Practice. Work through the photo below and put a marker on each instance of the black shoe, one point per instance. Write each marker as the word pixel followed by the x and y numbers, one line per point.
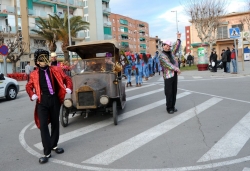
pixel 58 150
pixel 175 110
pixel 44 159
pixel 170 111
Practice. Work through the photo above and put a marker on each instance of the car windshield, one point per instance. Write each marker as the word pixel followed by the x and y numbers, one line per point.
pixel 103 64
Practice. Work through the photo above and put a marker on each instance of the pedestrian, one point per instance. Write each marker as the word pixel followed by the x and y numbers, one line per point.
pixel 138 70
pixel 145 66
pixel 228 52
pixel 213 60
pixel 48 86
pixel 150 65
pixel 54 61
pixel 157 63
pixel 170 70
pixel 128 69
pixel 233 59
pixel 189 59
pixel 28 71
pixel 224 59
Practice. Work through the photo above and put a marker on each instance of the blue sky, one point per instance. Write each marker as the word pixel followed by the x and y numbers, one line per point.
pixel 157 13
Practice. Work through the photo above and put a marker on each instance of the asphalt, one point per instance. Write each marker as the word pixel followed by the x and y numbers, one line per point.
pixel 243 70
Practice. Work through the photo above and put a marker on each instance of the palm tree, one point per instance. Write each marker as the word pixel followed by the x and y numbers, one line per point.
pixel 61 27
pixel 47 31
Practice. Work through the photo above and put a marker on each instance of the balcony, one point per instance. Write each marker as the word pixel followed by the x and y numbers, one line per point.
pixel 39 13
pixel 107 11
pixel 107 1
pixel 7 9
pixel 107 37
pixel 107 23
pixel 62 2
pixel 80 35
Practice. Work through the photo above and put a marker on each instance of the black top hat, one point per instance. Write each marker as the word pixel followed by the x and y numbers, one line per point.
pixel 38 52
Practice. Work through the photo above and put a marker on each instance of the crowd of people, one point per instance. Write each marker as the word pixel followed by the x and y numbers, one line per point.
pixel 142 66
pixel 227 57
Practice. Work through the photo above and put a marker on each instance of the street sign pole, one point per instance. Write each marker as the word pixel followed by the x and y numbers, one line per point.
pixel 234 34
pixel 236 54
pixel 5 65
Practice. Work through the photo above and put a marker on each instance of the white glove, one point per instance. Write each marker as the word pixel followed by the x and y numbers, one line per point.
pixel 68 91
pixel 34 97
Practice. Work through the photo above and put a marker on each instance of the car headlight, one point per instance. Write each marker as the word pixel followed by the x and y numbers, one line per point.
pixel 104 99
pixel 68 103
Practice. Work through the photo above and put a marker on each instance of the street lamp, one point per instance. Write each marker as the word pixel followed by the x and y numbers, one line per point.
pixel 176 21
pixel 70 55
pixel 177 30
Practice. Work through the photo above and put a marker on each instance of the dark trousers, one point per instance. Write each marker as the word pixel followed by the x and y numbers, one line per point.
pixel 28 77
pixel 170 88
pixel 49 108
pixel 225 66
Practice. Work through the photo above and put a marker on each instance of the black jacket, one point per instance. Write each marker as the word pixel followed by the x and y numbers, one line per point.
pixel 228 55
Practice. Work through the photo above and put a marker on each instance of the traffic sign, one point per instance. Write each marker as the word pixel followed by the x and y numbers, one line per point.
pixel 234 33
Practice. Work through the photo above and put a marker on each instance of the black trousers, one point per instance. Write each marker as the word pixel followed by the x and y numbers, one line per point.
pixel 170 88
pixel 49 108
pixel 225 66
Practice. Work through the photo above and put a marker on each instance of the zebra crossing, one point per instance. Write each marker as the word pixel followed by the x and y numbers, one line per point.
pixel 228 146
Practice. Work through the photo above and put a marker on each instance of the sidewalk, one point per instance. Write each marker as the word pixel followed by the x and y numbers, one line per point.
pixel 220 72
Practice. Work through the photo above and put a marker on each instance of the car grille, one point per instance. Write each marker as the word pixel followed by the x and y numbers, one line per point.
pixel 86 98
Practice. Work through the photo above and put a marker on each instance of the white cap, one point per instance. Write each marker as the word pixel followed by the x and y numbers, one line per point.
pixel 53 54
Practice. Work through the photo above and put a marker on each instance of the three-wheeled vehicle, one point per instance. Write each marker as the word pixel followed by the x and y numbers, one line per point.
pixel 97 82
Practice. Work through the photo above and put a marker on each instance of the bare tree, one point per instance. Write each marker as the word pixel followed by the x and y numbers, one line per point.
pixel 205 15
pixel 16 48
pixel 246 20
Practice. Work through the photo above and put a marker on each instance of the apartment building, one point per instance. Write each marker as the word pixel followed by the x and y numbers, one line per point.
pixel 23 14
pixel 155 44
pixel 130 33
pixel 223 40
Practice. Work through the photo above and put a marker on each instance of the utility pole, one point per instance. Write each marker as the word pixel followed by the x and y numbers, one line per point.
pixel 70 53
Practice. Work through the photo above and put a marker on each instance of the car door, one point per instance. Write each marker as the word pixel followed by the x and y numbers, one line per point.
pixel 2 87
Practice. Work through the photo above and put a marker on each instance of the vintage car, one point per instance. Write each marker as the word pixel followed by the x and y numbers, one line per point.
pixel 97 82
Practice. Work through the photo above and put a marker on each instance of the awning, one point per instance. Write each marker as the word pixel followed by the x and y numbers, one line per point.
pixel 199 44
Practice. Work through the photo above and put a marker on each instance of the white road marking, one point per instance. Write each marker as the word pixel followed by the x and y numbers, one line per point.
pixel 79 132
pixel 230 144
pixel 246 169
pixel 136 88
pixel 145 94
pixel 84 167
pixel 180 77
pixel 214 95
pixel 111 155
pixel 197 77
pixel 160 79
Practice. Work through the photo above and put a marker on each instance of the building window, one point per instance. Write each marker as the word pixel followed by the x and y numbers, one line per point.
pixel 124 22
pixel 40 43
pixel 188 37
pixel 86 17
pixel 238 25
pixel 85 3
pixel 187 31
pixel 113 20
pixel 222 32
pixel 113 28
pixel 188 42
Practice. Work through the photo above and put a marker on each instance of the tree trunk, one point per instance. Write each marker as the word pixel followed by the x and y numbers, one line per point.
pixel 13 67
pixel 52 47
pixel 66 56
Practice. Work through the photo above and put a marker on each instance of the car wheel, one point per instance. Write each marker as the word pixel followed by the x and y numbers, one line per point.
pixel 11 93
pixel 64 116
pixel 115 117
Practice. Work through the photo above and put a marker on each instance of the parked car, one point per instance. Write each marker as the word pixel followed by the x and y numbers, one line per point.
pixel 9 87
